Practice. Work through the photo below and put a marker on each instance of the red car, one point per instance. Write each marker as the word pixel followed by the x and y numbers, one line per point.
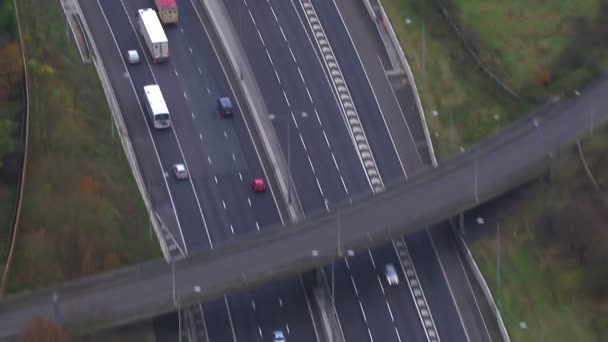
pixel 259 185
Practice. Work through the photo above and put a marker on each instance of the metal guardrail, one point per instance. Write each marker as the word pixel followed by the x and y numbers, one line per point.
pixel 21 185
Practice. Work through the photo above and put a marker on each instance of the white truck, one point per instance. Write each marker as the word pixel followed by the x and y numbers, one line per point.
pixel 154 35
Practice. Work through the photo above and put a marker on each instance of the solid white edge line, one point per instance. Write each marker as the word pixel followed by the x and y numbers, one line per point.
pixel 148 127
pixel 173 130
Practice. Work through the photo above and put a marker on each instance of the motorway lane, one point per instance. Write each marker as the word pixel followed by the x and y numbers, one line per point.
pixel 276 41
pixel 196 155
pixel 319 152
pixel 446 315
pixel 217 321
pixel 294 85
pixel 301 72
pixel 379 313
pixel 305 171
pixel 328 11
pixel 369 111
pixel 141 75
pixel 399 298
pixel 231 220
pixel 189 219
pixel 325 101
pixel 398 104
pixel 241 158
pixel 403 313
pixel 348 306
pixel 444 243
pixel 291 288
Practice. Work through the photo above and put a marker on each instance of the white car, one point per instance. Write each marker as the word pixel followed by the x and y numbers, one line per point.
pixel 132 56
pixel 180 171
pixel 278 336
pixel 392 278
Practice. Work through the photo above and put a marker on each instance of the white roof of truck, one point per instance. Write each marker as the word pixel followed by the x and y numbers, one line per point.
pixel 153 26
pixel 155 98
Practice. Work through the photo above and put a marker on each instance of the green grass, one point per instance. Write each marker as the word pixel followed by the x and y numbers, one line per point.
pixel 534 47
pixel 82 212
pixel 523 37
pixel 553 253
pixel 530 290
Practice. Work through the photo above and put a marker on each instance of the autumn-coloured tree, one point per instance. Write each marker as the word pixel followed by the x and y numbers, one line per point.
pixel 7 144
pixel 11 69
pixel 42 329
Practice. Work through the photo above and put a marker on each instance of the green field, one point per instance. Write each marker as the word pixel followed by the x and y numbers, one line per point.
pixel 82 212
pixel 536 48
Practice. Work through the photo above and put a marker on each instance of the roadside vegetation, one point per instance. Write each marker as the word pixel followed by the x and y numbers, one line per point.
pixel 536 49
pixel 82 212
pixel 553 255
pixel 12 108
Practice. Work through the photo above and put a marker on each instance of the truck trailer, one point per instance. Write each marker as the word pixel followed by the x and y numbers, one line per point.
pixel 167 11
pixel 154 35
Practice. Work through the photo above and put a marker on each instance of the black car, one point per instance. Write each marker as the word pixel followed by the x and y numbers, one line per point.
pixel 224 106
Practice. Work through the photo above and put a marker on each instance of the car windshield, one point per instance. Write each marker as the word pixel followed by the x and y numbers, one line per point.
pixel 226 104
pixel 161 117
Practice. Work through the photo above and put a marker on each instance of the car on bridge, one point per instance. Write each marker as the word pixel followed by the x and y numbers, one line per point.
pixel 278 336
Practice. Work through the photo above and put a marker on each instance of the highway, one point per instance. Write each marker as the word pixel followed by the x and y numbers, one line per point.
pixel 219 154
pixel 274 33
pixel 381 313
pixel 463 182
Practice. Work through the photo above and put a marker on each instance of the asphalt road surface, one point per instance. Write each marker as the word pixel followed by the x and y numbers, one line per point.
pixel 220 182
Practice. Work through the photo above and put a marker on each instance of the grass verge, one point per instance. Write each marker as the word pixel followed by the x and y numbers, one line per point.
pixel 553 255
pixel 537 48
pixel 82 212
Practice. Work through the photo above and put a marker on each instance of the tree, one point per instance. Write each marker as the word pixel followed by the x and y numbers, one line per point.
pixel 8 21
pixel 7 144
pixel 42 329
pixel 11 69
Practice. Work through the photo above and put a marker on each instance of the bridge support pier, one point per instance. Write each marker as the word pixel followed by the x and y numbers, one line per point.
pixel 325 303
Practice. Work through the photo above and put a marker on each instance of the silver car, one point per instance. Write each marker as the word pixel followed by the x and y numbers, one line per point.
pixel 132 56
pixel 278 336
pixel 180 171
pixel 392 278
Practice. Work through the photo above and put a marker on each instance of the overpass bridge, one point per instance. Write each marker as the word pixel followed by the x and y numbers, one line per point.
pixel 518 154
